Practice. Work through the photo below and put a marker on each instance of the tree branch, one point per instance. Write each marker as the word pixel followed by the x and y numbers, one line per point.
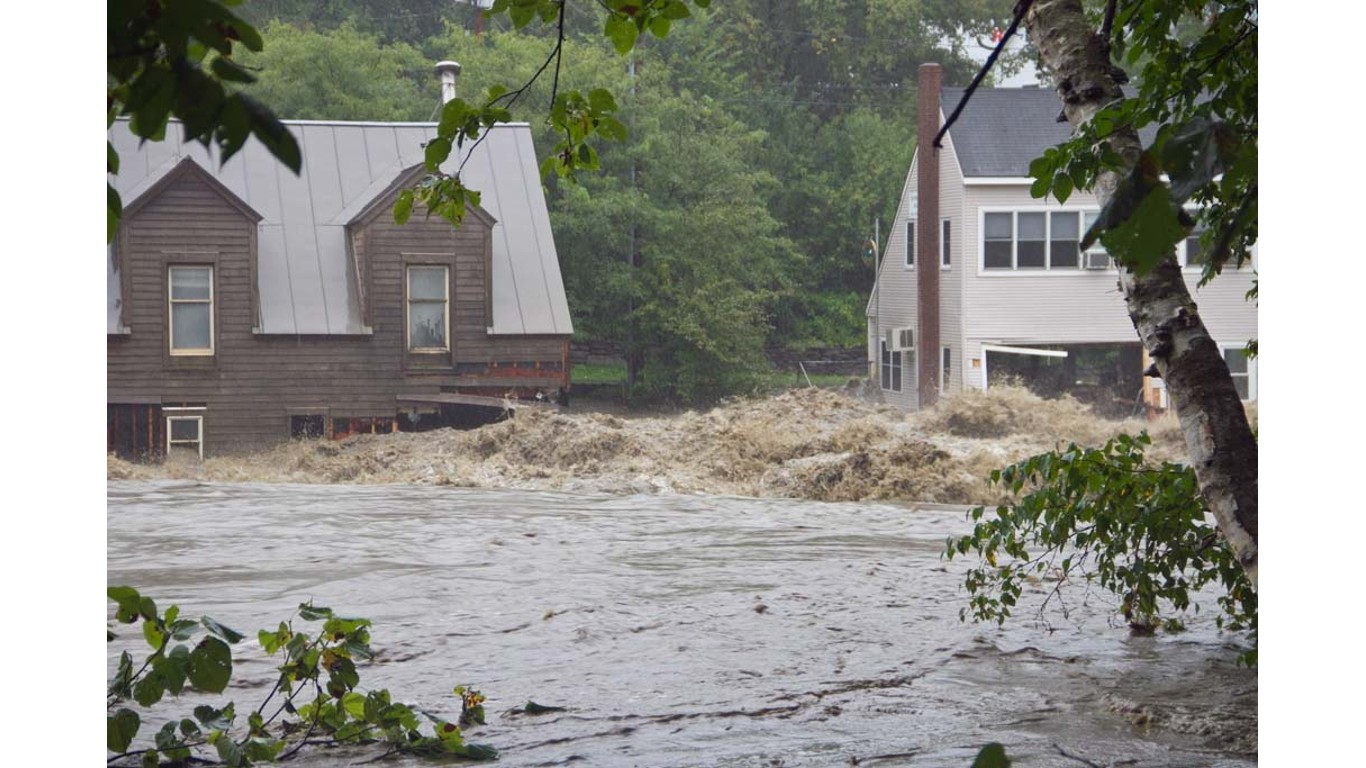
pixel 1020 9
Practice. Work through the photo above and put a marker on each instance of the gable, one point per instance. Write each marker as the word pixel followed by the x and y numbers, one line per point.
pixel 186 169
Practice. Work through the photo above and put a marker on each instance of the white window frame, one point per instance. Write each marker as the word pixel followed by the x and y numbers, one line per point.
pixel 1251 369
pixel 194 414
pixel 1048 268
pixel 945 371
pixel 408 302
pixel 172 301
pixel 912 230
pixel 945 243
pixel 890 363
pixel 1002 348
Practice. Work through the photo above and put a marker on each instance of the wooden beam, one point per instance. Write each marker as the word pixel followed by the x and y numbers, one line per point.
pixel 456 398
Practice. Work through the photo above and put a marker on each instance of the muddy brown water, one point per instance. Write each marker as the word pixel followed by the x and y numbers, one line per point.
pixel 680 630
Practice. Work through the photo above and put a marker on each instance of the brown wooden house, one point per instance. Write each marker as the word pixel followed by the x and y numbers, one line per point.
pixel 248 305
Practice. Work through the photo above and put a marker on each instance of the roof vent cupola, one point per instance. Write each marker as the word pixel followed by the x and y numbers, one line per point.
pixel 449 72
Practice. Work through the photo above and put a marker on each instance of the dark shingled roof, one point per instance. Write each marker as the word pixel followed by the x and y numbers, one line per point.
pixel 1002 129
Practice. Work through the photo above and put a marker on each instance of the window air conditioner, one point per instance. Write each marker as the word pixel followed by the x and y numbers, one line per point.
pixel 903 339
pixel 1097 260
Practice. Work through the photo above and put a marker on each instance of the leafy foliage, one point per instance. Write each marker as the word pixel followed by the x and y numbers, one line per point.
pixel 176 59
pixel 321 663
pixel 1198 89
pixel 312 74
pixel 1107 517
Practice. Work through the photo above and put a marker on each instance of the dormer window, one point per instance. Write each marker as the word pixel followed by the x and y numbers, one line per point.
pixel 191 310
pixel 428 309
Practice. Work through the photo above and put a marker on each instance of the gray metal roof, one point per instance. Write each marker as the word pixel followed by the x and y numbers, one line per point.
pixel 1002 130
pixel 303 266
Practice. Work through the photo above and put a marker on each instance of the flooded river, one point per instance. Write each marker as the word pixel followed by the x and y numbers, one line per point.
pixel 682 630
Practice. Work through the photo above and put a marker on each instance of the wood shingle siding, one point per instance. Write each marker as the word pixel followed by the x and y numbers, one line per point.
pixel 254 382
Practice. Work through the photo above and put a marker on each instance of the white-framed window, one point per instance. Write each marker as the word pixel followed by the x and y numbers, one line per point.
pixel 1033 240
pixel 184 433
pixel 945 244
pixel 1190 254
pixel 945 368
pixel 910 244
pixel 1095 257
pixel 428 308
pixel 891 367
pixel 190 289
pixel 1242 368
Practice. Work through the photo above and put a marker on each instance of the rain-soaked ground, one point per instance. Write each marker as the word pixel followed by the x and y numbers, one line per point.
pixel 681 630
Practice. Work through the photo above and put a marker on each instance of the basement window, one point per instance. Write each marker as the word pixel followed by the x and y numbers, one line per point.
pixel 184 433
pixel 307 427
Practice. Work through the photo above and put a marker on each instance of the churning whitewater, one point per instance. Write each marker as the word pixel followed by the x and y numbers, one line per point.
pixel 805 444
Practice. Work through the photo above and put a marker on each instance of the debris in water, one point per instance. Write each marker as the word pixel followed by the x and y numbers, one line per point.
pixel 806 443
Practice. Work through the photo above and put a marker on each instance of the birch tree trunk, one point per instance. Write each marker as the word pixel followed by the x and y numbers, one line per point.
pixel 1222 448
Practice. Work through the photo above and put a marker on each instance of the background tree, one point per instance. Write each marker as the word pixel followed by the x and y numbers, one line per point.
pixel 313 74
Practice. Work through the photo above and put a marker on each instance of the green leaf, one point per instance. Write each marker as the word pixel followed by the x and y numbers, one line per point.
pixel 213 719
pixel 622 32
pixel 403 208
pixel 152 633
pixel 229 71
pixel 675 11
pixel 172 669
pixel 310 612
pixel 435 154
pixel 113 212
pixel 272 133
pixel 222 631
pixel 521 15
pixel 1062 187
pixel 210 665
pixel 121 727
pixel 478 752
pixel 1149 234
pixel 230 753
pixel 354 704
pixel 262 749
pixel 148 690
pixel 601 100
pixel 1192 157
pixel 127 598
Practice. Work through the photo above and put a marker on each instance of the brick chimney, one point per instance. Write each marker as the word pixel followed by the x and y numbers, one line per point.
pixel 449 72
pixel 927 236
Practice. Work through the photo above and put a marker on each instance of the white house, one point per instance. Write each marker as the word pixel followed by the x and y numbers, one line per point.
pixel 980 281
